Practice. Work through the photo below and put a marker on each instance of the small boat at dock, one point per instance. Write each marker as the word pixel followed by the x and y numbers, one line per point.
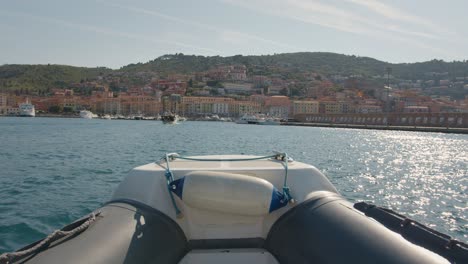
pixel 87 114
pixel 169 118
pixel 270 121
pixel 252 119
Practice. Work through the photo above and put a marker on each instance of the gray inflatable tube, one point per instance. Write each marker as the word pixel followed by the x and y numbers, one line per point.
pixel 123 233
pixel 325 229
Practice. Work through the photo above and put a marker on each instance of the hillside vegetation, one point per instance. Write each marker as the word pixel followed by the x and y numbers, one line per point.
pixel 44 77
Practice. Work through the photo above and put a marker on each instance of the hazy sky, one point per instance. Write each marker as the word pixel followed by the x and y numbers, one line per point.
pixel 115 33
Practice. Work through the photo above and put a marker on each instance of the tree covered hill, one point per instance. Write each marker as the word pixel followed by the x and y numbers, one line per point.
pixel 43 77
pixel 321 62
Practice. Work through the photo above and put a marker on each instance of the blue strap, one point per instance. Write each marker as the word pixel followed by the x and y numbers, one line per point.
pixel 169 179
pixel 286 193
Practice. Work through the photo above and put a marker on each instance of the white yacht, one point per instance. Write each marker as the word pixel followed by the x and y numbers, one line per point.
pixel 250 119
pixel 270 122
pixel 27 109
pixel 87 114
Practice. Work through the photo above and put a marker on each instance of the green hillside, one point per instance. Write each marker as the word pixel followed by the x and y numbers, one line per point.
pixel 287 65
pixel 44 77
pixel 326 63
pixel 321 62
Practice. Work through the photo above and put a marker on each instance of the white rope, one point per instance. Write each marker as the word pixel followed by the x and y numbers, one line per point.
pixel 7 258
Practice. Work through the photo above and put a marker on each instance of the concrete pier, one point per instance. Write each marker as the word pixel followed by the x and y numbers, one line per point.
pixel 379 127
pixel 425 122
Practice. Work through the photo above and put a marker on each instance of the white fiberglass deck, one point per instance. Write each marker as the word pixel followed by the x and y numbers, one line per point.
pixel 147 184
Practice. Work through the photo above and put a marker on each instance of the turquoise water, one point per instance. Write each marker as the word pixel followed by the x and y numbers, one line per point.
pixel 53 171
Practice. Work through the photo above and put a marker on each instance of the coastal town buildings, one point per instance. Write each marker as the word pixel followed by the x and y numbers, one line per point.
pixel 277 106
pixel 193 106
pixel 305 107
pixel 240 108
pixel 3 103
pixel 274 91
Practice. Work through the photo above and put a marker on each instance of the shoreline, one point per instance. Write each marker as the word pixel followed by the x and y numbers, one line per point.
pixel 58 116
pixel 448 130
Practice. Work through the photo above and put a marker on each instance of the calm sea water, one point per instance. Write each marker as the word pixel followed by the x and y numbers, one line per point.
pixel 53 171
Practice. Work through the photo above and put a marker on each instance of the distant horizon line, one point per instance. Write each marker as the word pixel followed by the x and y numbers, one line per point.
pixel 222 56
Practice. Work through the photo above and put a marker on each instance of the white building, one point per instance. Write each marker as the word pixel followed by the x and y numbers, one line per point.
pixel 305 107
pixel 234 88
pixel 221 108
pixel 278 111
pixel 367 109
pixel 416 109
pixel 12 111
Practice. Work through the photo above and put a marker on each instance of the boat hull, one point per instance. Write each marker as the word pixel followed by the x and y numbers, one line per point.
pixel 324 229
pixel 27 115
pixel 27 110
pixel 87 114
pixel 151 220
pixel 171 119
pixel 122 233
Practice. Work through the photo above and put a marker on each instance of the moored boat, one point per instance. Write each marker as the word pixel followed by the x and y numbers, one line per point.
pixel 138 117
pixel 169 118
pixel 87 114
pixel 237 208
pixel 27 109
pixel 250 119
pixel 270 122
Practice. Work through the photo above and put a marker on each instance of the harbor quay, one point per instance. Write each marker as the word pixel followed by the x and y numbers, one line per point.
pixel 428 122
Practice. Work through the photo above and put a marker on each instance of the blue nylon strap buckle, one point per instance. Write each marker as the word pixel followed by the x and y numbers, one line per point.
pixel 177 187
